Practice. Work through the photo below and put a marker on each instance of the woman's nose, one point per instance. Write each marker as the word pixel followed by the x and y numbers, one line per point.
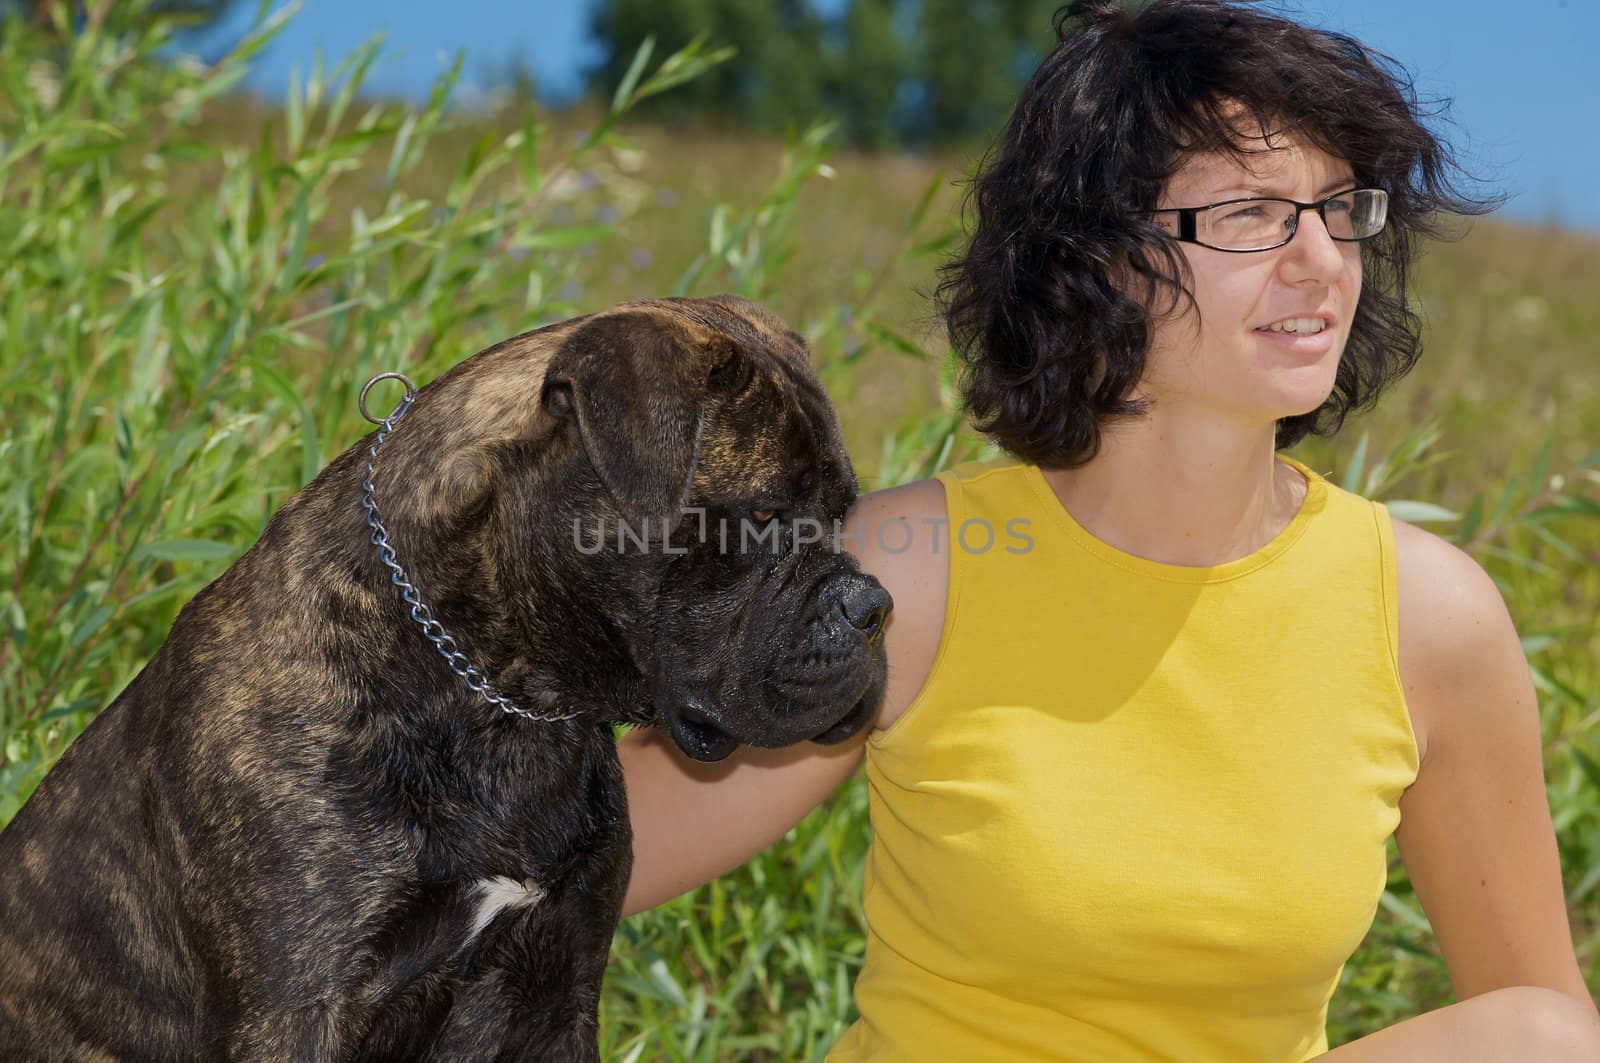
pixel 1312 250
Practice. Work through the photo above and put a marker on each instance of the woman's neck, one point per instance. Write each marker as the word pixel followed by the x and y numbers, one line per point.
pixel 1195 497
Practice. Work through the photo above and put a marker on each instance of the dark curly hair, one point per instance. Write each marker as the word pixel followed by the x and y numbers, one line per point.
pixel 1048 345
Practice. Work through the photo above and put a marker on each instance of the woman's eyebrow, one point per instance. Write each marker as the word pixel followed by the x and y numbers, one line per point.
pixel 1257 189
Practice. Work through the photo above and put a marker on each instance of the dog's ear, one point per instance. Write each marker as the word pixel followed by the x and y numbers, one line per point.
pixel 636 383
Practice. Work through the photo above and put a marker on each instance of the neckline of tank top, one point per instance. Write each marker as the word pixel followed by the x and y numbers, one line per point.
pixel 1314 501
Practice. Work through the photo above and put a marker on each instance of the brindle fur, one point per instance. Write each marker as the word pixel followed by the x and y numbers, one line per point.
pixel 273 844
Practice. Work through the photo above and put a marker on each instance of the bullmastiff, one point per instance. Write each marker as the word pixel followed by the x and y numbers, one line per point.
pixel 364 802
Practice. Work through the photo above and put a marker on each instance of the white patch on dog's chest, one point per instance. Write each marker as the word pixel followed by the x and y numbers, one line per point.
pixel 499 893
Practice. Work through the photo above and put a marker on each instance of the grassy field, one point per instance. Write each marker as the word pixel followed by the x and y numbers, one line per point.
pixel 195 286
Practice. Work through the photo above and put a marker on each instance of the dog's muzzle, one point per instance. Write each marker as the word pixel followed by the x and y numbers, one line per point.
pixel 825 705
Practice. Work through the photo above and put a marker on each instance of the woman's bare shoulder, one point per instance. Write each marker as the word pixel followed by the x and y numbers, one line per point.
pixel 1444 599
pixel 896 535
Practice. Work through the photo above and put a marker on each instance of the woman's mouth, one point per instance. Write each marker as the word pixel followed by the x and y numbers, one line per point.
pixel 1306 337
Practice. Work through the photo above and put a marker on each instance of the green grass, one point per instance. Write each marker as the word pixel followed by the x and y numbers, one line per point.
pixel 195 286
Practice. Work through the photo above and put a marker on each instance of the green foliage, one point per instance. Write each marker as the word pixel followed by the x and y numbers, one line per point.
pixel 192 293
pixel 56 15
pixel 757 965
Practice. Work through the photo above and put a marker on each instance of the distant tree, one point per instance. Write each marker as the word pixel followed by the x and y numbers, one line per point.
pixel 972 58
pixel 891 71
pixel 786 61
pixel 867 65
pixel 774 76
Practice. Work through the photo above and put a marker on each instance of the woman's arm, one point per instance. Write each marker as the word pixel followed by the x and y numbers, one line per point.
pixel 1475 830
pixel 1511 1025
pixel 693 822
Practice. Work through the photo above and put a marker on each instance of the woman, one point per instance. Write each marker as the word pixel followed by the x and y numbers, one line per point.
pixel 1139 758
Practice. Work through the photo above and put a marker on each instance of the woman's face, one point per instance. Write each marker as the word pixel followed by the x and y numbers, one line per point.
pixel 1225 363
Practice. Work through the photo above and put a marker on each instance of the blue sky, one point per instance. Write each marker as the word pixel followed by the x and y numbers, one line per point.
pixel 1523 78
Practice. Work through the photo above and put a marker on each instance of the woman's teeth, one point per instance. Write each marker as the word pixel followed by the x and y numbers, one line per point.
pixel 1303 325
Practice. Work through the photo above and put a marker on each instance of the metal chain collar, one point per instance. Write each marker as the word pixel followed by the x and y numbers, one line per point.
pixel 431 628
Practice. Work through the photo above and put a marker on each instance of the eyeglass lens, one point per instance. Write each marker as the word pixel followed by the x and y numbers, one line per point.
pixel 1353 215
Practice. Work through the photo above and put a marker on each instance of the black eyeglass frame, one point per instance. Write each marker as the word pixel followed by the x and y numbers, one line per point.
pixel 1186 219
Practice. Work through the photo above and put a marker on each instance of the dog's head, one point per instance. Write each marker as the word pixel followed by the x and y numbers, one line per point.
pixel 640 506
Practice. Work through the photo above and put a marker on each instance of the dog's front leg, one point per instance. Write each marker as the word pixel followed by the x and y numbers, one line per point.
pixel 532 992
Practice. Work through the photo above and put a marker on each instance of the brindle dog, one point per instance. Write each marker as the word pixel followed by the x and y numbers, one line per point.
pixel 298 835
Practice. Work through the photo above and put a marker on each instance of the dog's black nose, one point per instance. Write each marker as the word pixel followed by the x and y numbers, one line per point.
pixel 866 606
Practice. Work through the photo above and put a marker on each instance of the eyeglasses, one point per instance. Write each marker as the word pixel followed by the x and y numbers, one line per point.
pixel 1260 224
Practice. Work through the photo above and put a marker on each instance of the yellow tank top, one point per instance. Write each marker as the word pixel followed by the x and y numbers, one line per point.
pixel 1138 811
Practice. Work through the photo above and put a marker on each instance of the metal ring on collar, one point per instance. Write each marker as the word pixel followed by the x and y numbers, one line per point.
pixel 411 393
